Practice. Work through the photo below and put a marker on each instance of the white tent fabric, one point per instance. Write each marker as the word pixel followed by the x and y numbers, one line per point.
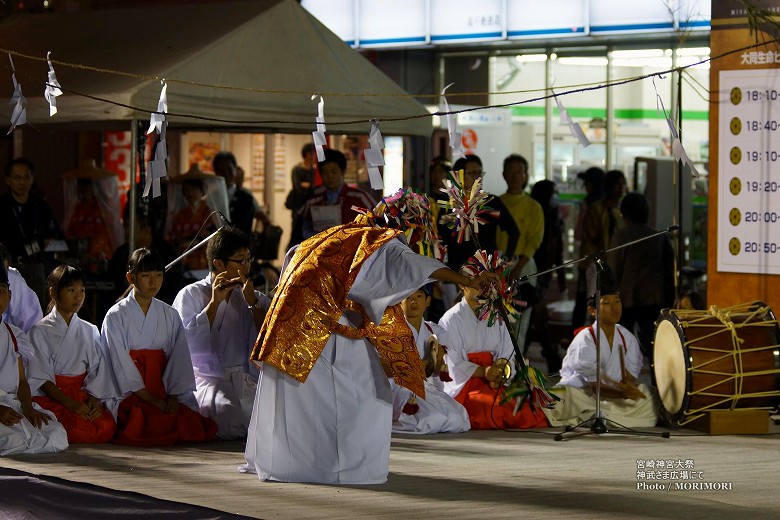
pixel 259 44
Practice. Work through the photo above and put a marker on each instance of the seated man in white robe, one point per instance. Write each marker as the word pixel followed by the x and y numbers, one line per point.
pixel 323 408
pixel 623 401
pixel 438 412
pixel 24 426
pixel 24 309
pixel 221 315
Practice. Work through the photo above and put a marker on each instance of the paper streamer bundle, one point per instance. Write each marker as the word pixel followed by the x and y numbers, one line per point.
pixel 410 212
pixel 677 148
pixel 496 295
pixel 530 384
pixel 467 209
pixel 576 129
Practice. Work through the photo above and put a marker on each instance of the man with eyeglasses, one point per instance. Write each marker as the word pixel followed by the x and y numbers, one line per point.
pixel 28 225
pixel 222 315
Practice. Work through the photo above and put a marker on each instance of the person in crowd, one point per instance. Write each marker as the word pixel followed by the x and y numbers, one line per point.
pixel 690 300
pixel 24 309
pixel 305 178
pixel 528 215
pixel 243 206
pixel 644 271
pixel 144 342
pixel 222 315
pixel 438 412
pixel 24 426
pixel 441 299
pixel 601 222
pixel 68 375
pixel 188 221
pixel 593 181
pixel 87 224
pixel 480 358
pixel 548 255
pixel 623 400
pixel 28 225
pixel 323 409
pixel 331 204
pixel 458 254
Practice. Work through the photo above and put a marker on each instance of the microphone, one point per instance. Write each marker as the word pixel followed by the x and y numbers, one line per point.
pixel 676 227
pixel 224 219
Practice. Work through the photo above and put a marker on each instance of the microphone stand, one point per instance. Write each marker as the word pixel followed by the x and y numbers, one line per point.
pixel 597 423
pixel 225 222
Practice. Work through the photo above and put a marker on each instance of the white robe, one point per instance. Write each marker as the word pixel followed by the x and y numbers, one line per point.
pixel 126 328
pixel 24 309
pixel 23 437
pixel 468 334
pixel 578 370
pixel 69 350
pixel 225 379
pixel 438 412
pixel 335 427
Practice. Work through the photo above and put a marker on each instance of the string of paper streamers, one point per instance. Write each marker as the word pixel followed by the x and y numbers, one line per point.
pixel 677 148
pixel 576 129
pixel 467 210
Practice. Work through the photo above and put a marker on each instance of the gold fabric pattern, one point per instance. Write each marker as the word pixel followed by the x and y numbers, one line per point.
pixel 311 297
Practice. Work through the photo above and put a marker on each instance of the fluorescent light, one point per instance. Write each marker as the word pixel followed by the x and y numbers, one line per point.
pixel 661 63
pixel 694 51
pixel 638 53
pixel 592 61
pixel 526 58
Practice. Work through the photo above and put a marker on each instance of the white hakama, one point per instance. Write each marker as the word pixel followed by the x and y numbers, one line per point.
pixel 23 437
pixel 335 427
pixel 438 412
pixel 226 380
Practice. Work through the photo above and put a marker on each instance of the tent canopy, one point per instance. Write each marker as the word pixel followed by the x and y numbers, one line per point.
pixel 258 44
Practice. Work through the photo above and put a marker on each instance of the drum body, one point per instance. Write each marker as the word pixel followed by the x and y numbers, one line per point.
pixel 717 361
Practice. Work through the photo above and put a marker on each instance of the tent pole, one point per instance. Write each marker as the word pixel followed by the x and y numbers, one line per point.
pixel 131 199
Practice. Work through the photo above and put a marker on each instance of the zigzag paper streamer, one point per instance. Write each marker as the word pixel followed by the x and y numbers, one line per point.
pixel 157 168
pixel 18 101
pixel 374 157
pixel 319 134
pixel 452 127
pixel 158 118
pixel 678 151
pixel 53 88
pixel 576 129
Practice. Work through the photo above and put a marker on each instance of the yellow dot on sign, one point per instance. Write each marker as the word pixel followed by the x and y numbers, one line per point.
pixel 736 125
pixel 735 186
pixel 735 155
pixel 736 95
pixel 734 246
pixel 735 216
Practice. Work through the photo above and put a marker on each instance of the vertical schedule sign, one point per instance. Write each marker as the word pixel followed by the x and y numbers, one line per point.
pixel 743 229
pixel 749 158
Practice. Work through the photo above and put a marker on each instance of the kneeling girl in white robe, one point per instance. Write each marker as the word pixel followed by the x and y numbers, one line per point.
pixel 24 427
pixel 68 375
pixel 438 412
pixel 145 344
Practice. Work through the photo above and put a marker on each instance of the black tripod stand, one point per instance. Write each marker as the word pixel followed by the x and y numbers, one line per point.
pixel 598 425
